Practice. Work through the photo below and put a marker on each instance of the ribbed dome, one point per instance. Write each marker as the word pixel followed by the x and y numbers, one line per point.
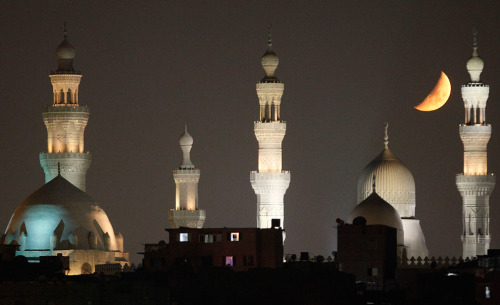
pixel 395 183
pixel 58 212
pixel 377 211
pixel 65 50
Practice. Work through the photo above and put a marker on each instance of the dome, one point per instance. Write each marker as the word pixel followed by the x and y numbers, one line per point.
pixel 186 139
pixel 475 66
pixel 270 62
pixel 377 211
pixel 58 216
pixel 395 183
pixel 65 50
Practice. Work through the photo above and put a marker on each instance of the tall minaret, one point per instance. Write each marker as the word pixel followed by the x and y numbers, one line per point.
pixel 65 121
pixel 186 212
pixel 270 182
pixel 475 184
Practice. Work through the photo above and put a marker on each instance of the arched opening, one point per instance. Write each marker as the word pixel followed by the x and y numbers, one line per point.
pixel 61 97
pixel 86 268
pixel 70 97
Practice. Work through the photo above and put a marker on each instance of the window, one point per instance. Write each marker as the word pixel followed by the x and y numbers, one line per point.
pixel 247 260
pixel 183 237
pixel 234 236
pixel 218 238
pixel 207 238
pixel 487 292
pixel 229 260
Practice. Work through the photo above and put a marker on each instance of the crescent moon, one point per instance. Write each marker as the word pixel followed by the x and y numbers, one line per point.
pixel 438 96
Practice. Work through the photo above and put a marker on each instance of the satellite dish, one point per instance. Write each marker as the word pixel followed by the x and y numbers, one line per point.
pixel 359 221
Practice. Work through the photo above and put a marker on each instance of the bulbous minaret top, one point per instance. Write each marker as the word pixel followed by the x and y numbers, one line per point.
pixel 65 55
pixel 475 64
pixel 270 61
pixel 186 143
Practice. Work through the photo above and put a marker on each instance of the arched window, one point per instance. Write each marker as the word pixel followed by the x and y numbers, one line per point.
pixel 86 268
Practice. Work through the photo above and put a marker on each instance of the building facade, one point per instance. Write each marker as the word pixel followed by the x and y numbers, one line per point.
pixel 240 249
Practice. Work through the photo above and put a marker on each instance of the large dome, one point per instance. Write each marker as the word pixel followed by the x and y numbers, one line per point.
pixel 60 216
pixel 377 211
pixel 395 183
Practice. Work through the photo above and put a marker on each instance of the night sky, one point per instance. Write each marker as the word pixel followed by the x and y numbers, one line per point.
pixel 348 66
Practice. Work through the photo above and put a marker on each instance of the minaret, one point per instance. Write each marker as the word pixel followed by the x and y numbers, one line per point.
pixel 65 121
pixel 270 182
pixel 475 184
pixel 186 212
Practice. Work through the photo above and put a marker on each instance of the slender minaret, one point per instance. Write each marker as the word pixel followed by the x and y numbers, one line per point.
pixel 475 184
pixel 186 212
pixel 65 121
pixel 270 182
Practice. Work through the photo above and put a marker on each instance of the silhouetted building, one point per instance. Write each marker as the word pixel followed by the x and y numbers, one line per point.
pixel 238 248
pixel 367 251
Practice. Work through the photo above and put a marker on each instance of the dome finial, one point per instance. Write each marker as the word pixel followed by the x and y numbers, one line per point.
pixel 386 137
pixel 269 36
pixel 58 168
pixel 373 186
pixel 474 43
pixel 65 31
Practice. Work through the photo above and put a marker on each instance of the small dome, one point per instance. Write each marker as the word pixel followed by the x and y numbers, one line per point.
pixel 186 139
pixel 377 211
pixel 65 50
pixel 395 182
pixel 475 66
pixel 270 62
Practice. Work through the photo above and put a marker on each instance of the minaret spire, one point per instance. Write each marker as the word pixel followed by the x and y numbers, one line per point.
pixel 269 38
pixel 186 212
pixel 474 43
pixel 270 182
pixel 386 136
pixel 475 184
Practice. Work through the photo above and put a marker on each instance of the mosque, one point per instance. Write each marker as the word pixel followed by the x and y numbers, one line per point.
pixel 60 217
pixel 386 188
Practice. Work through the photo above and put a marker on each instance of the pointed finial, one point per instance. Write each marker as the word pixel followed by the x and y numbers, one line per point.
pixel 474 43
pixel 65 30
pixel 269 36
pixel 185 127
pixel 386 136
pixel 373 187
pixel 58 168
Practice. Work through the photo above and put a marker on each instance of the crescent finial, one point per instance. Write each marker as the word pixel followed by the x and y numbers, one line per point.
pixel 386 136
pixel 269 36
pixel 474 43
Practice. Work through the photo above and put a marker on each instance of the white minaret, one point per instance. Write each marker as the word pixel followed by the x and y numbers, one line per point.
pixel 475 184
pixel 270 182
pixel 65 121
pixel 186 212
